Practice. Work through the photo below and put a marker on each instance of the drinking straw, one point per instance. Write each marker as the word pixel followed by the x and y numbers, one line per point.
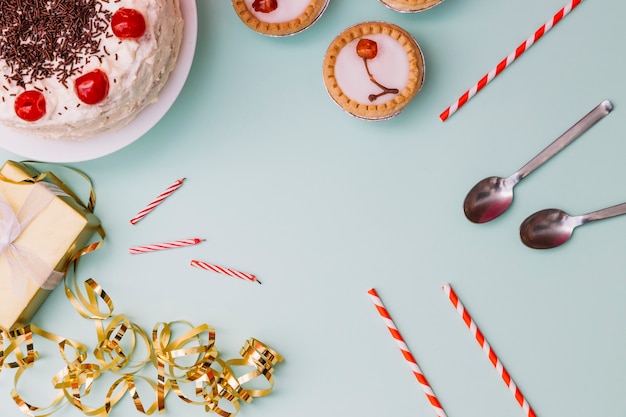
pixel 165 245
pixel 395 333
pixel 226 271
pixel 160 198
pixel 493 358
pixel 502 65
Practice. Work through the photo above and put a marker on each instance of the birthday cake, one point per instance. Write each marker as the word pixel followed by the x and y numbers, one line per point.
pixel 74 69
pixel 373 70
pixel 279 17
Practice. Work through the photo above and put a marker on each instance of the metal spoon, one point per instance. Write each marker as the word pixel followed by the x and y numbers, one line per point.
pixel 493 195
pixel 552 227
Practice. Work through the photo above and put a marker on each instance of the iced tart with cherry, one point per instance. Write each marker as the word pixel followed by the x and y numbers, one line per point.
pixel 75 69
pixel 373 70
pixel 410 6
pixel 279 17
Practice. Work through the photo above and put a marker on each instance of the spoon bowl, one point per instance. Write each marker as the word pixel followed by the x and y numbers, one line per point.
pixel 488 199
pixel 550 228
pixel 547 229
pixel 492 196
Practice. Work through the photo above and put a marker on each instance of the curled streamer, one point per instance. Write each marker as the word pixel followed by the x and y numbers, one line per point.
pixel 72 353
pixel 189 359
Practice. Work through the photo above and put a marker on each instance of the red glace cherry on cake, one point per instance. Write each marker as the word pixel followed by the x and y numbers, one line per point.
pixel 93 87
pixel 30 105
pixel 128 23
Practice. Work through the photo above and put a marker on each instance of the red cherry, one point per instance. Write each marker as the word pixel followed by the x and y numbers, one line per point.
pixel 367 48
pixel 128 23
pixel 30 105
pixel 93 87
pixel 265 6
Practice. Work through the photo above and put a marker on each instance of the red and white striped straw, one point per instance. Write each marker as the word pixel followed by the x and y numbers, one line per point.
pixel 384 314
pixel 165 245
pixel 225 271
pixel 160 198
pixel 502 65
pixel 493 358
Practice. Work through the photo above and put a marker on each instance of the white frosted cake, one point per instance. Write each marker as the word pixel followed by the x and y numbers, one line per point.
pixel 75 69
pixel 373 70
pixel 279 17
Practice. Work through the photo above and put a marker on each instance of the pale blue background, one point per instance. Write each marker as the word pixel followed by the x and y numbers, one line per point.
pixel 322 207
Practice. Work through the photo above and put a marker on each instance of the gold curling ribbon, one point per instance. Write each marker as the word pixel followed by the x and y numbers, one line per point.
pixel 214 380
pixel 167 351
pixel 109 345
pixel 16 338
pixel 25 336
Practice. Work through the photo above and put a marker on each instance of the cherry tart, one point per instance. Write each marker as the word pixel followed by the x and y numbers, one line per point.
pixel 410 6
pixel 372 70
pixel 279 17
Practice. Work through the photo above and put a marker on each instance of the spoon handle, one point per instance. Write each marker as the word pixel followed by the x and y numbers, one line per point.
pixel 565 139
pixel 605 213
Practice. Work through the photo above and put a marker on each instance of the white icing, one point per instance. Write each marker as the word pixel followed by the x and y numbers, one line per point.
pixel 286 11
pixel 390 68
pixel 136 69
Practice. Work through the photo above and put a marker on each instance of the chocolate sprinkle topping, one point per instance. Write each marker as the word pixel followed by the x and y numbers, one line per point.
pixel 49 38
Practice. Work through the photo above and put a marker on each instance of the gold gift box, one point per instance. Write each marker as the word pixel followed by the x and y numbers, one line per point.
pixel 54 234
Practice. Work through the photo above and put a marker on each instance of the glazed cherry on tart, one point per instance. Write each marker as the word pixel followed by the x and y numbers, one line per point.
pixel 30 105
pixel 265 6
pixel 128 23
pixel 367 48
pixel 92 87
